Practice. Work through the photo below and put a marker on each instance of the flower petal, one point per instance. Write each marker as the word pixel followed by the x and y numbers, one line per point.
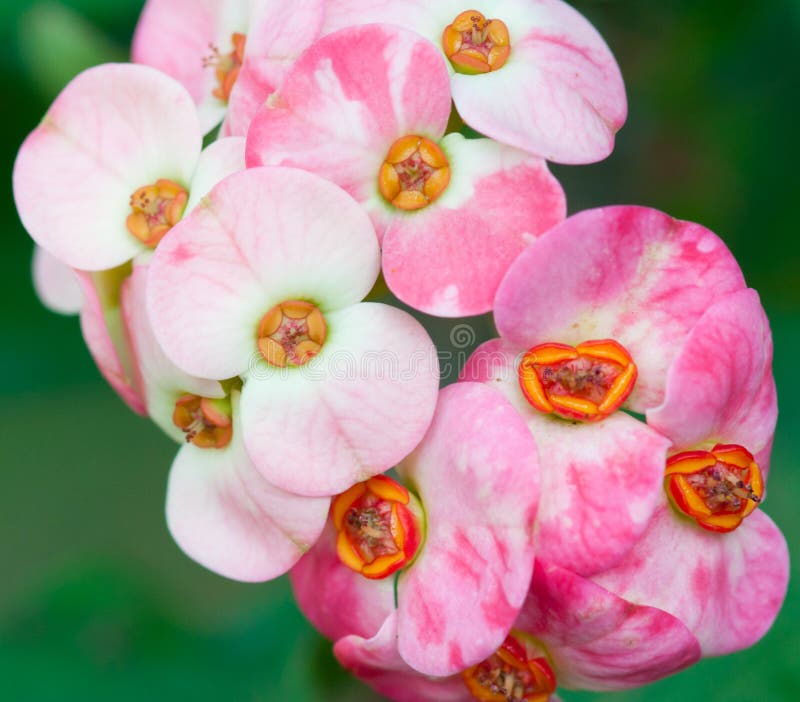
pixel 335 599
pixel 448 259
pixel 56 284
pixel 598 641
pixel 113 129
pixel 477 476
pixel 559 96
pixel 720 386
pixel 354 411
pixel 219 160
pixel 726 588
pixel 346 101
pixel 224 515
pixel 603 481
pixel 626 273
pixel 261 237
pixel 426 18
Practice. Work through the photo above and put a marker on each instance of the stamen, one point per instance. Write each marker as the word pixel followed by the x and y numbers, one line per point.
pixel 226 66
pixel 206 422
pixel 415 173
pixel 291 333
pixel 475 44
pixel 156 209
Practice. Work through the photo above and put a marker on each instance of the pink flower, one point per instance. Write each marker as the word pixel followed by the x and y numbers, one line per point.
pixel 533 74
pixel 264 281
pixel 229 54
pixel 368 108
pixel 114 164
pixel 571 633
pixel 473 490
pixel 711 558
pixel 220 510
pixel 591 318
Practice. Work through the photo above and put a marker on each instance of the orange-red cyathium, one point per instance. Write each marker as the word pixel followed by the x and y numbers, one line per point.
pixel 586 382
pixel 155 209
pixel 227 66
pixel 291 333
pixel 205 421
pixel 510 676
pixel 475 44
pixel 377 532
pixel 717 488
pixel 414 173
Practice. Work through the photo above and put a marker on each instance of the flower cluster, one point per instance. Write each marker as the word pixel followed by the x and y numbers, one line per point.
pixel 582 509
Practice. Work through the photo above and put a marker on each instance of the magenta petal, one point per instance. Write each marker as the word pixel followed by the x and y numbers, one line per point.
pixel 335 599
pixel 225 516
pixel 354 411
pixel 449 259
pixel 720 386
pixel 726 588
pixel 477 476
pixel 56 284
pixel 626 273
pixel 598 641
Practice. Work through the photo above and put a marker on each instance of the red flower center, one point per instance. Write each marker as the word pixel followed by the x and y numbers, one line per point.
pixel 205 421
pixel 155 210
pixel 414 174
pixel 291 333
pixel 226 66
pixel 475 44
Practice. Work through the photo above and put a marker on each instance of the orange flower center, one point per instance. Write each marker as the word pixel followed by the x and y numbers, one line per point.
pixel 291 333
pixel 586 382
pixel 475 44
pixel 378 533
pixel 205 421
pixel 717 488
pixel 226 66
pixel 510 676
pixel 414 174
pixel 155 210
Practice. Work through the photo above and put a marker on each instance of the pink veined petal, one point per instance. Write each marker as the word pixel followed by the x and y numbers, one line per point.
pixel 225 516
pixel 603 481
pixel 448 259
pixel 162 382
pixel 378 663
pixel 104 334
pixel 335 599
pixel 726 588
pixel 560 95
pixel 597 641
pixel 56 284
pixel 720 386
pixel 219 160
pixel 261 237
pixel 354 411
pixel 113 129
pixel 631 274
pixel 279 32
pixel 477 476
pixel 426 18
pixel 346 101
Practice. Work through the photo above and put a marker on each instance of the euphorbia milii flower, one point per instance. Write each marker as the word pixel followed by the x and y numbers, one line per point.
pixel 709 556
pixel 264 280
pixel 533 74
pixel 571 633
pixel 591 317
pixel 220 510
pixel 229 54
pixel 461 539
pixel 56 284
pixel 367 108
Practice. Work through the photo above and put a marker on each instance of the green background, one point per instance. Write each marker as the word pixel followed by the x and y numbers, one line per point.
pixel 97 603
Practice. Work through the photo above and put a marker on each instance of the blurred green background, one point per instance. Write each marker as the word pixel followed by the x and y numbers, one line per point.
pixel 97 603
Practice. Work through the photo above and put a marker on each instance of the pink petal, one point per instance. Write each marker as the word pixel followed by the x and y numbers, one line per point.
pixel 261 237
pixel 598 641
pixel 335 599
pixel 726 588
pixel 104 334
pixel 627 273
pixel 603 481
pixel 449 258
pixel 477 476
pixel 56 284
pixel 346 101
pixel 561 94
pixel 426 18
pixel 377 662
pixel 224 515
pixel 354 411
pixel 113 129
pixel 720 386
pixel 220 159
